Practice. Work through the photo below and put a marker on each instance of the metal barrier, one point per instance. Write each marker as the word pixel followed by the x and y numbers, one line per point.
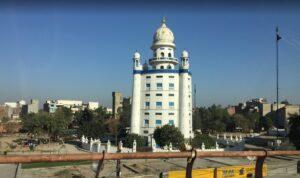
pixel 190 155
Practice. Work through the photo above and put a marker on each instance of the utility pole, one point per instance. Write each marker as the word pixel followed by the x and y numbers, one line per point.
pixel 277 80
pixel 195 104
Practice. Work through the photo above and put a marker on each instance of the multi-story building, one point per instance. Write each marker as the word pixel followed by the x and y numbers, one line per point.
pixel 11 104
pixel 12 110
pixel 117 103
pixel 75 105
pixel 162 88
pixel 265 108
pixel 285 113
pixel 33 107
pixel 52 105
pixel 93 105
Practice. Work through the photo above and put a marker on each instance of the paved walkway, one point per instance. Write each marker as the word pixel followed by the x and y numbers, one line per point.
pixel 7 170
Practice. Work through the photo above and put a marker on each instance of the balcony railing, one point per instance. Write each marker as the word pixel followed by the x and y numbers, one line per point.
pixel 170 59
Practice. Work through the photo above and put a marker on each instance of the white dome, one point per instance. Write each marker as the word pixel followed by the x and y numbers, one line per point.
pixel 185 54
pixel 163 36
pixel 136 55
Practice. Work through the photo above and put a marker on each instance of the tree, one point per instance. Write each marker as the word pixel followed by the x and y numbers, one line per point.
pixel 213 118
pixel 129 138
pixel 58 122
pixel 242 122
pixel 124 120
pixel 36 123
pixel 266 122
pixel 113 127
pixel 253 118
pixel 203 138
pixel 295 131
pixel 89 123
pixel 200 115
pixel 286 102
pixel 43 123
pixel 168 134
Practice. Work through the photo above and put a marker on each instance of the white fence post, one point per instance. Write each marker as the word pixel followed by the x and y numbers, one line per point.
pixel 134 146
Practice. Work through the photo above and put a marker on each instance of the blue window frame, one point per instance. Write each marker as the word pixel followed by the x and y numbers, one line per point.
pixel 158 122
pixel 159 104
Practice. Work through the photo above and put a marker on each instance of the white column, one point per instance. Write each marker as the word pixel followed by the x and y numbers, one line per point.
pixel 136 94
pixel 136 104
pixel 185 120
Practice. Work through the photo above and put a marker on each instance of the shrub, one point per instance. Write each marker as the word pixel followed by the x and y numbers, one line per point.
pixel 203 138
pixel 129 138
pixel 168 134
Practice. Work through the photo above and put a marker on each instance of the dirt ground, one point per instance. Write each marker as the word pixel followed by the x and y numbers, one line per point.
pixel 52 148
pixel 280 166
pixel 277 167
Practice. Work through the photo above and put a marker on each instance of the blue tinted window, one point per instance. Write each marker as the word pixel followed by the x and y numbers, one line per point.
pixel 158 122
pixel 171 104
pixel 159 104
pixel 171 122
pixel 147 103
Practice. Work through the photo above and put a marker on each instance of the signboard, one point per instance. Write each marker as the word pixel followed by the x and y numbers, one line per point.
pixel 243 171
pixel 199 173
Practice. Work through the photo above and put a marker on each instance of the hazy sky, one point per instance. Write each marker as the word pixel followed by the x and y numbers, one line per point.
pixel 86 53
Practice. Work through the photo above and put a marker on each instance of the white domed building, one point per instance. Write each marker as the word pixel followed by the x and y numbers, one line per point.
pixel 162 88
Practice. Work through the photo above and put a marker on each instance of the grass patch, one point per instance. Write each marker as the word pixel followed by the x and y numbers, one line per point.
pixel 64 172
pixel 67 174
pixel 53 164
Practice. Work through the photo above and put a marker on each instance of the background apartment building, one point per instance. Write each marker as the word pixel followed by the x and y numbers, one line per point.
pixel 117 103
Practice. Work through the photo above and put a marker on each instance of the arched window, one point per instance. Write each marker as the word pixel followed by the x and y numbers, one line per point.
pixel 161 67
pixel 169 67
pixel 162 54
pixel 169 55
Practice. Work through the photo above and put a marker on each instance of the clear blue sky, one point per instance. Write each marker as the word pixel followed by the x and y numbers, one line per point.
pixel 83 53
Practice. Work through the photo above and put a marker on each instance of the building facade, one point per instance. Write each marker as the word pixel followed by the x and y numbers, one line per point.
pixel 117 103
pixel 33 107
pixel 162 88
pixel 93 105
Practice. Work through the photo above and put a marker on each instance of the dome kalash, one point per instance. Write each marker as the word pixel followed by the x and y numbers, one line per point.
pixel 163 36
